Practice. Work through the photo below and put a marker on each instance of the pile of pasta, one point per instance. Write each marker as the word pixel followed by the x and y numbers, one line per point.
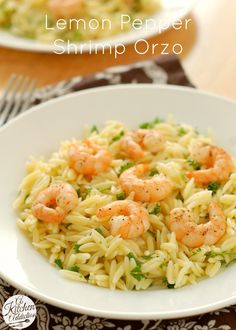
pixel 82 247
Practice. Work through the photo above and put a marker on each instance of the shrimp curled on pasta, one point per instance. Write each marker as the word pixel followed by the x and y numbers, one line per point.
pixel 145 190
pixel 53 203
pixel 88 158
pixel 194 235
pixel 126 218
pixel 135 143
pixel 217 161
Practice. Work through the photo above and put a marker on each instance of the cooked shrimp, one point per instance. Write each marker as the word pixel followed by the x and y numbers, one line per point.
pixel 193 235
pixel 218 162
pixel 149 190
pixel 88 158
pixel 53 203
pixel 65 8
pixel 135 143
pixel 126 218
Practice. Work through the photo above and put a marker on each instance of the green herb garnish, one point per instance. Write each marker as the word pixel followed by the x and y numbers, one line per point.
pixel 212 254
pixel 136 271
pixel 149 257
pixel 181 131
pixel 156 210
pixel 121 196
pixel 99 230
pixel 102 190
pixel 145 125
pixel 78 192
pixel 163 264
pixel 132 256
pixel 195 165
pixel 224 263
pixel 213 186
pixel 196 251
pixel 74 268
pixel 118 137
pixel 168 285
pixel 59 263
pixel 156 121
pixel 77 247
pixel 87 192
pixel 94 129
pixel 151 124
pixel 231 262
pixel 125 167
pixel 182 177
pixel 153 172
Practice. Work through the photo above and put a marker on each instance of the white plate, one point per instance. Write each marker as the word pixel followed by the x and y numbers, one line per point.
pixel 171 11
pixel 39 132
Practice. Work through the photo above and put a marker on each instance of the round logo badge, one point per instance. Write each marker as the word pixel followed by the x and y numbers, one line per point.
pixel 19 312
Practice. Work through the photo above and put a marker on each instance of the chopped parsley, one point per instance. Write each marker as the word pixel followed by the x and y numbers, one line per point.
pixel 87 192
pixel 163 264
pixel 195 165
pixel 181 131
pixel 151 124
pixel 231 262
pixel 58 262
pixel 74 268
pixel 156 210
pixel 105 189
pixel 99 230
pixel 212 254
pixel 213 186
pixel 182 177
pixel 153 172
pixel 196 251
pixel 168 285
pixel 26 198
pixel 77 247
pixel 136 271
pixel 132 256
pixel 125 167
pixel 149 257
pixel 94 129
pixel 121 196
pixel 224 263
pixel 118 137
pixel 145 125
pixel 78 192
